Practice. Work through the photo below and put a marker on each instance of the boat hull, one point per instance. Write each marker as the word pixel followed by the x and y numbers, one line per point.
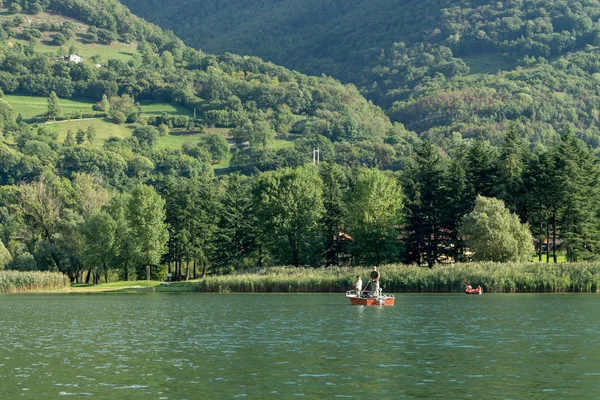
pixel 360 301
pixel 474 291
pixel 364 300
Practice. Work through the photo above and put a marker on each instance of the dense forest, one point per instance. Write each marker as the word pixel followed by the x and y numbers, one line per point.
pixel 97 207
pixel 479 64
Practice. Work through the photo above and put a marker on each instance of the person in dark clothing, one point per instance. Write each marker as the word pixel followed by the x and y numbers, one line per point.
pixel 375 281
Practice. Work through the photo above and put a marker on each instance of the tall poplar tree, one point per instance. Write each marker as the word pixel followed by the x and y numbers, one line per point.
pixel 375 211
pixel 146 217
pixel 333 216
pixel 54 108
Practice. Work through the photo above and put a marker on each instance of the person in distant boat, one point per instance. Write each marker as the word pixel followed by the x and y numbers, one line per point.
pixel 375 281
pixel 358 285
pixel 468 288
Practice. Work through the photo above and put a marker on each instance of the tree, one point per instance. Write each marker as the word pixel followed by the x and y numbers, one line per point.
pixel 146 135
pixel 289 206
pixel 70 139
pixel 146 220
pixel 579 177
pixel 54 109
pixel 425 222
pixel 374 211
pixel 167 61
pixel 99 236
pixel 90 134
pixel 80 136
pixel 511 165
pixel 5 256
pixel 58 39
pixel 236 232
pixel 334 212
pixel 217 146
pixel 41 208
pixel 494 234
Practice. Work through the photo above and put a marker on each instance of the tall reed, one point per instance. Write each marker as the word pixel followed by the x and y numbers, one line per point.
pixel 18 281
pixel 493 277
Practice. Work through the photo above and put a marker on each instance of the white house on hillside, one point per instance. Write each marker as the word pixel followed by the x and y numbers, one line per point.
pixel 76 58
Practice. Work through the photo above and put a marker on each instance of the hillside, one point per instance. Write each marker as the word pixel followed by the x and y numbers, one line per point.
pixel 130 61
pixel 416 58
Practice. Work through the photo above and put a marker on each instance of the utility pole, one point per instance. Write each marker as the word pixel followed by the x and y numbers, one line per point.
pixel 316 156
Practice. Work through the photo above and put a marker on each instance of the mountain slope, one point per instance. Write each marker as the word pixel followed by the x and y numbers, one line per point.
pixel 420 60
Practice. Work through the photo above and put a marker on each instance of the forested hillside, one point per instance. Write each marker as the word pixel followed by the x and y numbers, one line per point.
pixel 435 65
pixel 123 150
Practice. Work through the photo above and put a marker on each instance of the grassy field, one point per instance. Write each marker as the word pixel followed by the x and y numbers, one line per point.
pixel 116 50
pixel 104 129
pixel 136 287
pixel 489 63
pixel 32 106
pixel 151 109
pixel 561 257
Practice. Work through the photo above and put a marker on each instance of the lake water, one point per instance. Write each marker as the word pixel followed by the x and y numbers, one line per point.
pixel 197 346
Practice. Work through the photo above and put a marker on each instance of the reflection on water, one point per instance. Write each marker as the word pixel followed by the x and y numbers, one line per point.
pixel 190 346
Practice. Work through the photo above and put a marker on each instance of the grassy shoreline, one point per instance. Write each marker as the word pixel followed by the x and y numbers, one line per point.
pixel 493 277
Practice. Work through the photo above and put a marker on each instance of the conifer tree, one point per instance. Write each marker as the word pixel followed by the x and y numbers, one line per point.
pixel 509 186
pixel 425 233
pixel 577 190
pixel 459 198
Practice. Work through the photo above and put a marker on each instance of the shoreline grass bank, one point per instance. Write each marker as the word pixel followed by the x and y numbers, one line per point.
pixel 32 281
pixel 493 277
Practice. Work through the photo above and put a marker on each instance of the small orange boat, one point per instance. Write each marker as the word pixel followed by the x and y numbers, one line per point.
pixel 470 290
pixel 367 299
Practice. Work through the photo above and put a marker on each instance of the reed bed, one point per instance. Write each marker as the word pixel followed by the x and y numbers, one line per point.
pixel 30 281
pixel 493 277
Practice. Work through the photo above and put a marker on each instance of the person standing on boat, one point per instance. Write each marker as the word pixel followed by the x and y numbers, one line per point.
pixel 375 281
pixel 358 285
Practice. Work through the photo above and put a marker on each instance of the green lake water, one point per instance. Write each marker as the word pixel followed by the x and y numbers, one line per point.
pixel 197 346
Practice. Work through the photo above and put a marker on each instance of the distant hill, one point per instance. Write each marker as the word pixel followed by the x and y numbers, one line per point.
pixel 438 66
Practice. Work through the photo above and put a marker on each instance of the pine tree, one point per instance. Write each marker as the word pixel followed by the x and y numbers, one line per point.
pixel 509 186
pixel 459 199
pixel 425 233
pixel 577 190
pixel 481 167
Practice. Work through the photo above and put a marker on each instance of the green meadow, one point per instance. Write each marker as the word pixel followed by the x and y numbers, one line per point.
pixel 37 106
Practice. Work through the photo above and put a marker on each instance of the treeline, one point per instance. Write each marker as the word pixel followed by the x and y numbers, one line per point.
pixel 90 217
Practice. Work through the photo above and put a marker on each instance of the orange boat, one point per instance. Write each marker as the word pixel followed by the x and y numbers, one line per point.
pixel 367 299
pixel 470 290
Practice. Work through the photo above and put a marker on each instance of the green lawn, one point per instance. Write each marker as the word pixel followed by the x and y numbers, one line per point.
pixel 32 106
pixel 561 257
pixel 152 109
pixel 175 141
pixel 489 63
pixel 104 129
pixel 137 286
